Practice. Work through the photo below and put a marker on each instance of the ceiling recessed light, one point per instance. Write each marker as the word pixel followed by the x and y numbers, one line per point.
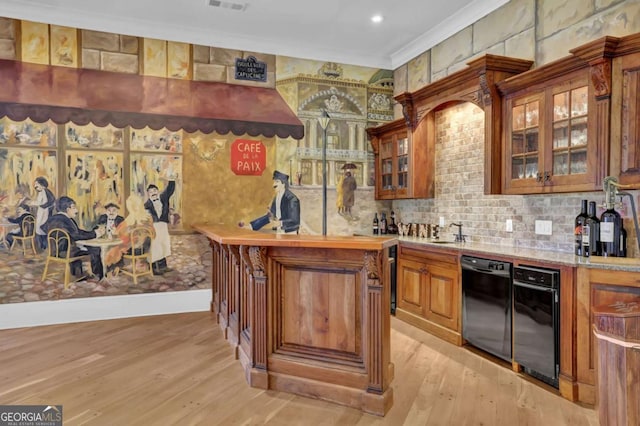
pixel 376 19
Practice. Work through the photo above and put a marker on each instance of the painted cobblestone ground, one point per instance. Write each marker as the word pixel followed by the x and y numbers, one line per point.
pixel 20 276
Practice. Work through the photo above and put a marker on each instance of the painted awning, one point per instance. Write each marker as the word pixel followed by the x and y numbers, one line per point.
pixel 82 96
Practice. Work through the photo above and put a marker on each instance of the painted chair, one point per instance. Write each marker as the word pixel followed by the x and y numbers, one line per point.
pixel 28 235
pixel 58 252
pixel 139 255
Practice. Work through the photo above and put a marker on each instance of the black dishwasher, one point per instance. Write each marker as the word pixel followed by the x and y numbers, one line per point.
pixel 536 316
pixel 486 305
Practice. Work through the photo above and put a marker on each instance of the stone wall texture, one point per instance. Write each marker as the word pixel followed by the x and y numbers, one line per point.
pixel 7 38
pixel 539 30
pixel 134 55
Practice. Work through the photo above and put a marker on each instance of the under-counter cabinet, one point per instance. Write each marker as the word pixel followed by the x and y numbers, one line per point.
pixel 428 291
pixel 598 287
pixel 402 168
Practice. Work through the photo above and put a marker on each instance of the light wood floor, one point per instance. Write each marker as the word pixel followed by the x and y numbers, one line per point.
pixel 177 369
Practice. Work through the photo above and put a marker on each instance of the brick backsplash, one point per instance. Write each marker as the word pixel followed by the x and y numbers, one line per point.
pixel 459 194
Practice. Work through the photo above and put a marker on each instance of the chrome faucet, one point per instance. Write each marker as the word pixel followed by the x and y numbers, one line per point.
pixel 459 237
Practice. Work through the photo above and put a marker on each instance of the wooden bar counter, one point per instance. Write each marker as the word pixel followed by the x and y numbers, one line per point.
pixel 307 314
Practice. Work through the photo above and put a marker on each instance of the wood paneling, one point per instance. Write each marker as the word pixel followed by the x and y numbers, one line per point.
pixel 597 287
pixel 318 318
pixel 429 290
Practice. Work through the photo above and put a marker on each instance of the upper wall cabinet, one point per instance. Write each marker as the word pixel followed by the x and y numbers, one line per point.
pixel 404 164
pixel 475 84
pixel 557 123
pixel 625 111
pixel 547 144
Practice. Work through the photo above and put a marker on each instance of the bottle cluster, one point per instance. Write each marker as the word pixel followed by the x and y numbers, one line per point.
pixel 604 236
pixel 382 225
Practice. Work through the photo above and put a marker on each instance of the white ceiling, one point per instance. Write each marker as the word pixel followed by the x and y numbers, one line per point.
pixel 328 30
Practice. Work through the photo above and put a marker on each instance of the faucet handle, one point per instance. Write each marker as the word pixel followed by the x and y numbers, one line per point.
pixel 460 238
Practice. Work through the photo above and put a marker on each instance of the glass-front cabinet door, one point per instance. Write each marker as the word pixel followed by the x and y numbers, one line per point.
pixel 402 171
pixel 570 132
pixel 547 139
pixel 401 166
pixel 394 163
pixel 523 150
pixel 386 164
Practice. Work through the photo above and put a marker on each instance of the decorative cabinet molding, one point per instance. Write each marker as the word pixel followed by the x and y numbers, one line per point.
pixel 475 84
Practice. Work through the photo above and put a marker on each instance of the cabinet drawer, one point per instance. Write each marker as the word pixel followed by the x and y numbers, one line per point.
pixel 429 255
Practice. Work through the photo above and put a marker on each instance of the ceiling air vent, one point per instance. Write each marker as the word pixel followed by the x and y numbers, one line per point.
pixel 228 5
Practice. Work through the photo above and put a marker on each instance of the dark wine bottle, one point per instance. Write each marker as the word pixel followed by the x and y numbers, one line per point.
pixel 610 230
pixel 383 223
pixel 591 233
pixel 376 228
pixel 580 222
pixel 392 227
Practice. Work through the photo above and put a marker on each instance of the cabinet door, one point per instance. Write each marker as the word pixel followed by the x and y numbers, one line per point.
pixel 567 159
pixel 387 166
pixel 411 286
pixel 523 144
pixel 401 178
pixel 625 118
pixel 443 296
pixel 549 143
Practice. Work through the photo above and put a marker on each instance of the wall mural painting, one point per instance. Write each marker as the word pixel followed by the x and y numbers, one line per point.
pixel 94 180
pixel 106 179
pixel 19 169
pixel 159 170
pixel 156 140
pixel 27 132
pixel 93 137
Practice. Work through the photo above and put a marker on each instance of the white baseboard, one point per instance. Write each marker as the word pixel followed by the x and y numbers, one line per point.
pixel 29 314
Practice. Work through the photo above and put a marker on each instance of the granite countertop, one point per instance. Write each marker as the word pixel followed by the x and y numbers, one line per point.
pixel 562 258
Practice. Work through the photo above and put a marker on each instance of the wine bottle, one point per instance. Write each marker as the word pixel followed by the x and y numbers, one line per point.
pixel 591 233
pixel 376 228
pixel 610 229
pixel 580 221
pixel 383 223
pixel 392 227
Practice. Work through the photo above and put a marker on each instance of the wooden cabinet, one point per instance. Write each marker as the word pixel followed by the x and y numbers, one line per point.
pixel 548 140
pixel 429 292
pixel 597 287
pixel 475 84
pixel 401 166
pixel 625 114
pixel 557 121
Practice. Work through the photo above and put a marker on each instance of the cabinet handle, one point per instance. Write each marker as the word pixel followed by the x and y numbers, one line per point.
pixel 539 177
pixel 547 176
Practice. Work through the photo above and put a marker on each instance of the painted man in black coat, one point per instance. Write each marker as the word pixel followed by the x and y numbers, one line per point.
pixel 284 212
pixel 158 206
pixel 23 213
pixel 65 219
pixel 111 219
